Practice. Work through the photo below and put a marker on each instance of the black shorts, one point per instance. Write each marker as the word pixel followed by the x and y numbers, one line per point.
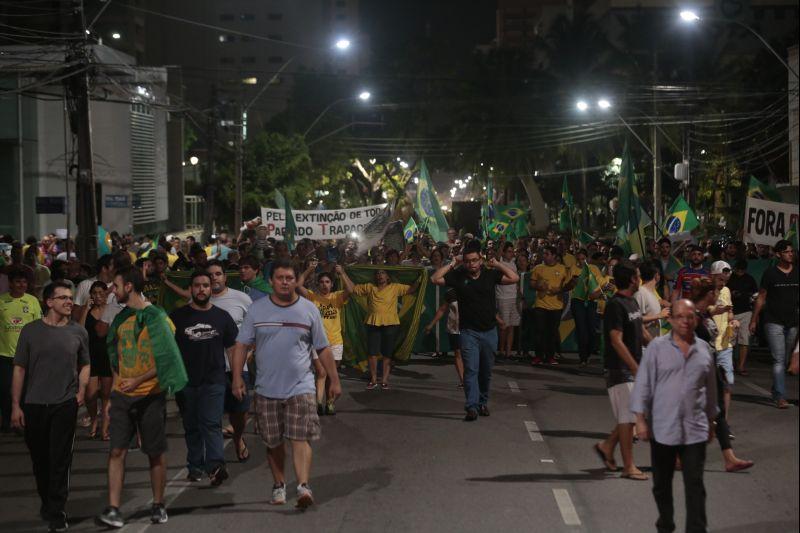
pixel 381 340
pixel 232 403
pixel 147 414
pixel 455 341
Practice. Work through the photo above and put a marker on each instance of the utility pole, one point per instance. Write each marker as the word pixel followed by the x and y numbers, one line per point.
pixel 81 123
pixel 237 206
pixel 656 155
pixel 208 214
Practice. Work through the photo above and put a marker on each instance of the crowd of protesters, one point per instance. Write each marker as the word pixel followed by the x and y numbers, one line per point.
pixel 278 343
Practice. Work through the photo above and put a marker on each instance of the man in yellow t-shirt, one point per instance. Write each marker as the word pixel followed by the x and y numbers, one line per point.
pixel 17 308
pixel 330 304
pixel 382 320
pixel 550 279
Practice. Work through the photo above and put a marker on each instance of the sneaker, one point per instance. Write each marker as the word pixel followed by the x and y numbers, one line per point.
pixel 537 360
pixel 111 517
pixel 194 476
pixel 320 409
pixel 278 494
pixel 483 410
pixel 471 416
pixel 371 385
pixel 304 497
pixel 59 523
pixel 158 514
pixel 782 404
pixel 330 408
pixel 552 361
pixel 218 475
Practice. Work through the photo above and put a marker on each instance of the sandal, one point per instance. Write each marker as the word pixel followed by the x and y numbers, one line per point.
pixel 608 463
pixel 243 454
pixel 635 476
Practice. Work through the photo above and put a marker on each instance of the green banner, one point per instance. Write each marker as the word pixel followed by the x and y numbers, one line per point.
pixel 409 310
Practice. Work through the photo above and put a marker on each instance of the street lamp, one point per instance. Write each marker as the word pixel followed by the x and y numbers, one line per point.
pixel 342 43
pixel 690 17
pixel 582 105
pixel 363 96
pixel 194 160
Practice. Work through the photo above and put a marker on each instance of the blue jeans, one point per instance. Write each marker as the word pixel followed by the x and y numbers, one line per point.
pixel 202 409
pixel 477 351
pixel 584 312
pixel 781 343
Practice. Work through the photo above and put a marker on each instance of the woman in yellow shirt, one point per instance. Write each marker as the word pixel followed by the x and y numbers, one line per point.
pixel 382 320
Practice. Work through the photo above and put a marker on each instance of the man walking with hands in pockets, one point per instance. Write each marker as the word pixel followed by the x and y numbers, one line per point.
pixel 285 328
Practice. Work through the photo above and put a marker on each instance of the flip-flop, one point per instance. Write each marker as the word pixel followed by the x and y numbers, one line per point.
pixel 608 463
pixel 244 454
pixel 639 476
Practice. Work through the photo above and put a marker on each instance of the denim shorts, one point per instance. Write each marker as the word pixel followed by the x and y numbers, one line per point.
pixel 725 365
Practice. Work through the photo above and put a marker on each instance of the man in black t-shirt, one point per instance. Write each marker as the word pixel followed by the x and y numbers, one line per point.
pixel 743 287
pixel 624 335
pixel 777 298
pixel 203 332
pixel 477 308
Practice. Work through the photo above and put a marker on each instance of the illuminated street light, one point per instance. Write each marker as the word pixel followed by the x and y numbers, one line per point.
pixel 582 105
pixel 342 43
pixel 364 96
pixel 403 164
pixel 603 103
pixel 116 35
pixel 194 160
pixel 688 15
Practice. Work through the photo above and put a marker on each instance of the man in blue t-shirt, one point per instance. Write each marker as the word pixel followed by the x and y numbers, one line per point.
pixel 285 328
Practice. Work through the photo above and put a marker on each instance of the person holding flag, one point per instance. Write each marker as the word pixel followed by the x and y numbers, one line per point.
pixel 583 304
pixel 427 206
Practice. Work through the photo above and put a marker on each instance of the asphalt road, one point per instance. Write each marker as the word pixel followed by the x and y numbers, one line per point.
pixel 403 460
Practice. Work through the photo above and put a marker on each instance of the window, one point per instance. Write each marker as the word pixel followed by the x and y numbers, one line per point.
pixel 275 16
pixel 275 59
pixel 248 60
pixel 248 17
pixel 226 60
pixel 226 17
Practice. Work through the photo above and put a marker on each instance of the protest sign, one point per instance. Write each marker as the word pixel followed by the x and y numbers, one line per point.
pixel 320 224
pixel 767 222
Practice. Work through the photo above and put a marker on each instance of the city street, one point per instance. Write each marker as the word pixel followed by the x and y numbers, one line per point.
pixel 403 460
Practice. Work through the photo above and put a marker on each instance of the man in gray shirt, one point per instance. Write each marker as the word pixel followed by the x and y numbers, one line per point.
pixel 51 364
pixel 675 403
pixel 285 328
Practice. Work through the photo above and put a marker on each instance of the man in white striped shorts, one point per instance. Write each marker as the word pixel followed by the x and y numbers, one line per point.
pixel 285 328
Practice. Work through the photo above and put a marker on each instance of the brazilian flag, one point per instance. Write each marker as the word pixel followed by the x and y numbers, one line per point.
pixel 762 191
pixel 428 208
pixel 409 310
pixel 104 245
pixel 681 218
pixel 410 229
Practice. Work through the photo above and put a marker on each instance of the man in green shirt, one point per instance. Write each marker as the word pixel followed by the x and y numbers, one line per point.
pixel 17 308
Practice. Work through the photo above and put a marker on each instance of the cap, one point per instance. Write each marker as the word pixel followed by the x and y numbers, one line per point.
pixel 718 267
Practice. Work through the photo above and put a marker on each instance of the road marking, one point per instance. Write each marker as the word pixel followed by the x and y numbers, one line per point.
pixel 546 461
pixel 568 512
pixel 522 405
pixel 757 388
pixel 513 386
pixel 533 431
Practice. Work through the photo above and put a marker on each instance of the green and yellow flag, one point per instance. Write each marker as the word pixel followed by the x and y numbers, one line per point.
pixel 681 218
pixel 410 229
pixel 104 244
pixel 762 191
pixel 565 216
pixel 631 218
pixel 291 228
pixel 428 208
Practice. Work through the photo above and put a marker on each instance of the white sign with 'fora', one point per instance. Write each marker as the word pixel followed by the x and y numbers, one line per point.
pixel 767 222
pixel 320 224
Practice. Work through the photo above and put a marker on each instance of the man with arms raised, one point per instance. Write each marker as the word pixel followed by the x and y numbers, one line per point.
pixel 475 289
pixel 285 328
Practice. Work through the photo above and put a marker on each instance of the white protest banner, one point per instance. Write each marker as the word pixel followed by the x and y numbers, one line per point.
pixel 320 224
pixel 767 222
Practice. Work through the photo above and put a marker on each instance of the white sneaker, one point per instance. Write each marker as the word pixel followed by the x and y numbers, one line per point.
pixel 278 494
pixel 304 497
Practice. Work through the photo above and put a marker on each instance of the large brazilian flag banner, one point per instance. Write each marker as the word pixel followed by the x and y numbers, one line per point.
pixel 409 310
